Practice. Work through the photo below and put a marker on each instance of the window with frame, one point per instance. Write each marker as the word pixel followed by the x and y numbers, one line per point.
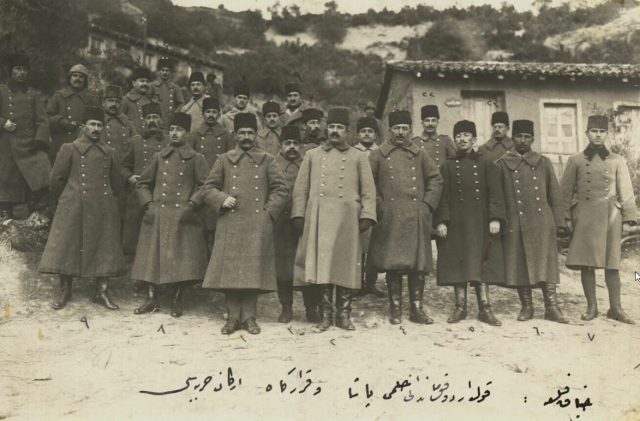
pixel 560 129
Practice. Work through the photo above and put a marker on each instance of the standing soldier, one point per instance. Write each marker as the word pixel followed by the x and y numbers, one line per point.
pixel 84 240
pixel 137 98
pixel 438 146
pixel 168 93
pixel 409 187
pixel 269 138
pixel 534 209
pixel 333 202
pixel 500 143
pixel 312 129
pixel 370 111
pixel 66 108
pixel 249 192
pixel 194 106
pixel 600 209
pixel 213 89
pixel 285 238
pixel 171 249
pixel 467 221
pixel 24 136
pixel 241 95
pixel 293 114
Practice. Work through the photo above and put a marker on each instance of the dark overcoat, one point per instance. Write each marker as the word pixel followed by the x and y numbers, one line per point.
pixel 243 253
pixel 365 237
pixel 132 104
pixel 116 133
pixel 598 198
pixel 171 247
pixel 534 209
pixel 84 240
pixel 288 118
pixel 20 168
pixel 169 96
pixel 409 186
pixel 494 150
pixel 472 197
pixel 438 147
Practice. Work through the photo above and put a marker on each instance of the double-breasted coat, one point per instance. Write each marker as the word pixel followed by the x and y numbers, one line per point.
pixel 132 104
pixel 533 202
pixel 269 140
pixel 285 238
pixel 439 147
pixel 333 192
pixel 139 153
pixel 243 253
pixel 211 141
pixel 288 118
pixel 194 108
pixel 169 96
pixel 67 104
pixel 227 119
pixel 472 197
pixel 365 237
pixel 409 186
pixel 84 240
pixel 494 150
pixel 171 247
pixel 598 198
pixel 19 167
pixel 116 133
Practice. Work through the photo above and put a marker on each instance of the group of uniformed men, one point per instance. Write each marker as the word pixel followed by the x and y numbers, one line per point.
pixel 250 207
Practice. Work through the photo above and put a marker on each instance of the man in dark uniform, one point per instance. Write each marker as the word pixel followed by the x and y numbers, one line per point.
pixel 293 114
pixel 438 146
pixel 268 139
pixel 138 97
pixel 312 129
pixel 168 93
pixel 499 143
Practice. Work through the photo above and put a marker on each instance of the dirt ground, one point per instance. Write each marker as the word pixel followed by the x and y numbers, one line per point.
pixel 87 363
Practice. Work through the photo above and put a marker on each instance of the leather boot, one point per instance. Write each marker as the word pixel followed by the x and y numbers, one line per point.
pixel 551 310
pixel 612 278
pixel 311 299
pixel 343 307
pixel 102 297
pixel 394 286
pixel 370 285
pixel 526 300
pixel 231 326
pixel 151 304
pixel 416 293
pixel 588 278
pixel 64 294
pixel 326 306
pixel 460 313
pixel 285 296
pixel 251 326
pixel 484 306
pixel 176 304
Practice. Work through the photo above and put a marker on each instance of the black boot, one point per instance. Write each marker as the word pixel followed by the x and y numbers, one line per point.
pixel 588 278
pixel 151 304
pixel 231 326
pixel 612 278
pixel 343 307
pixel 370 280
pixel 526 300
pixel 64 294
pixel 176 304
pixel 311 298
pixel 102 297
pixel 363 284
pixel 460 313
pixel 484 307
pixel 394 286
pixel 551 310
pixel 326 306
pixel 285 295
pixel 416 293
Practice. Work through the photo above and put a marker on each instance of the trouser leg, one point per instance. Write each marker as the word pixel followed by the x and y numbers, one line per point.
pixel 234 305
pixel 612 278
pixel 249 301
pixel 588 278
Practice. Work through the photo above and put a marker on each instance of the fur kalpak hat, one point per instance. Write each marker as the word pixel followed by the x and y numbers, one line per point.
pixel 309 114
pixel 210 103
pixel 598 122
pixel 429 111
pixel 141 73
pixel 270 107
pixel 500 117
pixel 369 122
pixel 464 126
pixel 290 133
pixel 399 117
pixel 196 77
pixel 112 91
pixel 338 115
pixel 292 87
pixel 241 88
pixel 245 121
pixel 182 120
pixel 93 113
pixel 151 108
pixel 522 126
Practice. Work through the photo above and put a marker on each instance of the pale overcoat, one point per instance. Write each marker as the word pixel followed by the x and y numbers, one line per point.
pixel 132 104
pixel 194 108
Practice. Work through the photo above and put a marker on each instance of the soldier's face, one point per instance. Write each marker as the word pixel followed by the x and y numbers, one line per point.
pixel 464 141
pixel 293 99
pixel 523 142
pixel 93 129
pixel 154 123
pixel 597 137
pixel 77 80
pixel 312 128
pixel 246 138
pixel 430 124
pixel 290 149
pixel 367 136
pixel 337 133
pixel 500 130
pixel 241 101
pixel 197 89
pixel 111 106
pixel 400 134
pixel 271 119
pixel 19 73
pixel 211 116
pixel 141 85
pixel 165 73
pixel 178 135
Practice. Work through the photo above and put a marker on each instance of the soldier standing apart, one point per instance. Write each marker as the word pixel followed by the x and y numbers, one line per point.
pixel 600 209
pixel 66 109
pixel 533 203
pixel 499 143
pixel 171 248
pixel 24 136
pixel 84 240
pixel 137 98
pixel 312 129
pixel 249 192
pixel 241 95
pixel 269 138
pixel 409 187
pixel 168 93
pixel 333 202
pixel 292 116
pixel 285 238
pixel 468 220
pixel 439 147
pixel 194 106
pixel 367 136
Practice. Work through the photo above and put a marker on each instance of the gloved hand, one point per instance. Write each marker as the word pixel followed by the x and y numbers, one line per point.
pixel 365 224
pixel 37 145
pixel 298 225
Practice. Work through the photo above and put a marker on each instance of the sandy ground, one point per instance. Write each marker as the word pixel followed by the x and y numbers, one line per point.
pixel 55 367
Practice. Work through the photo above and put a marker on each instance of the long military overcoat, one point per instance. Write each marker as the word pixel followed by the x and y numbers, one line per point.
pixel 269 141
pixel 534 209
pixel 365 237
pixel 439 147
pixel 409 186
pixel 494 150
pixel 171 247
pixel 20 168
pixel 169 96
pixel 84 240
pixel 194 108
pixel 598 198
pixel 333 192
pixel 288 118
pixel 132 104
pixel 116 133
pixel 243 253
pixel 471 197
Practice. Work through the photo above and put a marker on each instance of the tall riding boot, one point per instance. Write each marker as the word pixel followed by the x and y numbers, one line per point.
pixel 363 284
pixel 176 303
pixel 526 300
pixel 64 294
pixel 326 306
pixel 416 293
pixel 151 304
pixel 588 277
pixel 102 297
pixel 394 286
pixel 311 299
pixel 484 306
pixel 285 296
pixel 343 307
pixel 612 278
pixel 551 310
pixel 460 313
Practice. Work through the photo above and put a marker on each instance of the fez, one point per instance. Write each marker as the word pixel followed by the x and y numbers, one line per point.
pixel 165 62
pixel 429 111
pixel 522 126
pixel 112 91
pixel 93 113
pixel 210 103
pixel 338 115
pixel 270 107
pixel 292 87
pixel 290 133
pixel 241 88
pixel 598 122
pixel 18 59
pixel 500 117
pixel 245 121
pixel 141 73
pixel 369 122
pixel 182 120
pixel 151 108
pixel 196 77
pixel 311 114
pixel 399 117
pixel 464 126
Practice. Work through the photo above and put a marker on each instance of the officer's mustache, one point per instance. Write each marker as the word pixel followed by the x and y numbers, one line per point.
pixel 113 108
pixel 152 125
pixel 334 135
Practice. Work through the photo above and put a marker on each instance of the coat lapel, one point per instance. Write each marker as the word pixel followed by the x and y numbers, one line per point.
pixel 83 144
